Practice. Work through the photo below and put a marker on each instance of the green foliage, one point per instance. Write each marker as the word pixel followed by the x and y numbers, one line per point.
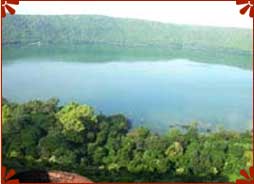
pixel 174 151
pixel 82 37
pixel 43 135
pixel 91 29
pixel 75 118
pixel 6 111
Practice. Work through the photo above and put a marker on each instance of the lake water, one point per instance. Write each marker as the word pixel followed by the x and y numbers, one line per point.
pixel 154 94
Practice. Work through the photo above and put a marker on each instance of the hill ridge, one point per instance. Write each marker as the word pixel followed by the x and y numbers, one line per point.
pixel 126 32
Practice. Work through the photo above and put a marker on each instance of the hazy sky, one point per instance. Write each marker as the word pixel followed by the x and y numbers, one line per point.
pixel 200 13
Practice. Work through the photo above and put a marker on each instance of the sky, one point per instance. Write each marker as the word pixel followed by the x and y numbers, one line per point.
pixel 215 13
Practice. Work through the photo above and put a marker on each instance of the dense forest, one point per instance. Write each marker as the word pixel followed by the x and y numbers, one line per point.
pixel 93 29
pixel 73 137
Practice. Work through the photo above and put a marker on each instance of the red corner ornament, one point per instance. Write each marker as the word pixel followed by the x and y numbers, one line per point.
pixel 249 5
pixel 6 6
pixel 249 179
pixel 5 178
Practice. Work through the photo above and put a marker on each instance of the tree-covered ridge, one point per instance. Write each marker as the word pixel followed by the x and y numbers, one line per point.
pixel 73 137
pixel 93 29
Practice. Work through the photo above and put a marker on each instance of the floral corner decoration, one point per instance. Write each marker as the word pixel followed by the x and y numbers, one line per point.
pixel 6 177
pixel 6 6
pixel 248 5
pixel 248 178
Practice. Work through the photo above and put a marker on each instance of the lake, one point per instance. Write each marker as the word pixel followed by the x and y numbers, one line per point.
pixel 154 93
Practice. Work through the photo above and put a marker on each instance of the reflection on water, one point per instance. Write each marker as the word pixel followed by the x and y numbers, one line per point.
pixel 152 93
pixel 106 53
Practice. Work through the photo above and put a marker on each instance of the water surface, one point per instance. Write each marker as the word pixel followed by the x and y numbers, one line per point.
pixel 154 94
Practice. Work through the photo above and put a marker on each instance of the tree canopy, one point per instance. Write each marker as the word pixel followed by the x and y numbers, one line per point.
pixel 93 29
pixel 73 137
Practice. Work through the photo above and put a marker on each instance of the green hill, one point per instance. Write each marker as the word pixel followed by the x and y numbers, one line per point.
pixel 93 29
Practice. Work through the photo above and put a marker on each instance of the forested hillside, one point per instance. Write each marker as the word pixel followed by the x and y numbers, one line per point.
pixel 24 30
pixel 73 137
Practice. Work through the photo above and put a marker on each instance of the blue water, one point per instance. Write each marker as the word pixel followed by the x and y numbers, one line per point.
pixel 154 94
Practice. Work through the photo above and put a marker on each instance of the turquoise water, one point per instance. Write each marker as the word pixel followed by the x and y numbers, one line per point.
pixel 154 94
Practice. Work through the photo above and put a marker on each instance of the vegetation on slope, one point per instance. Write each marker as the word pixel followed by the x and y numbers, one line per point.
pixel 92 29
pixel 44 135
